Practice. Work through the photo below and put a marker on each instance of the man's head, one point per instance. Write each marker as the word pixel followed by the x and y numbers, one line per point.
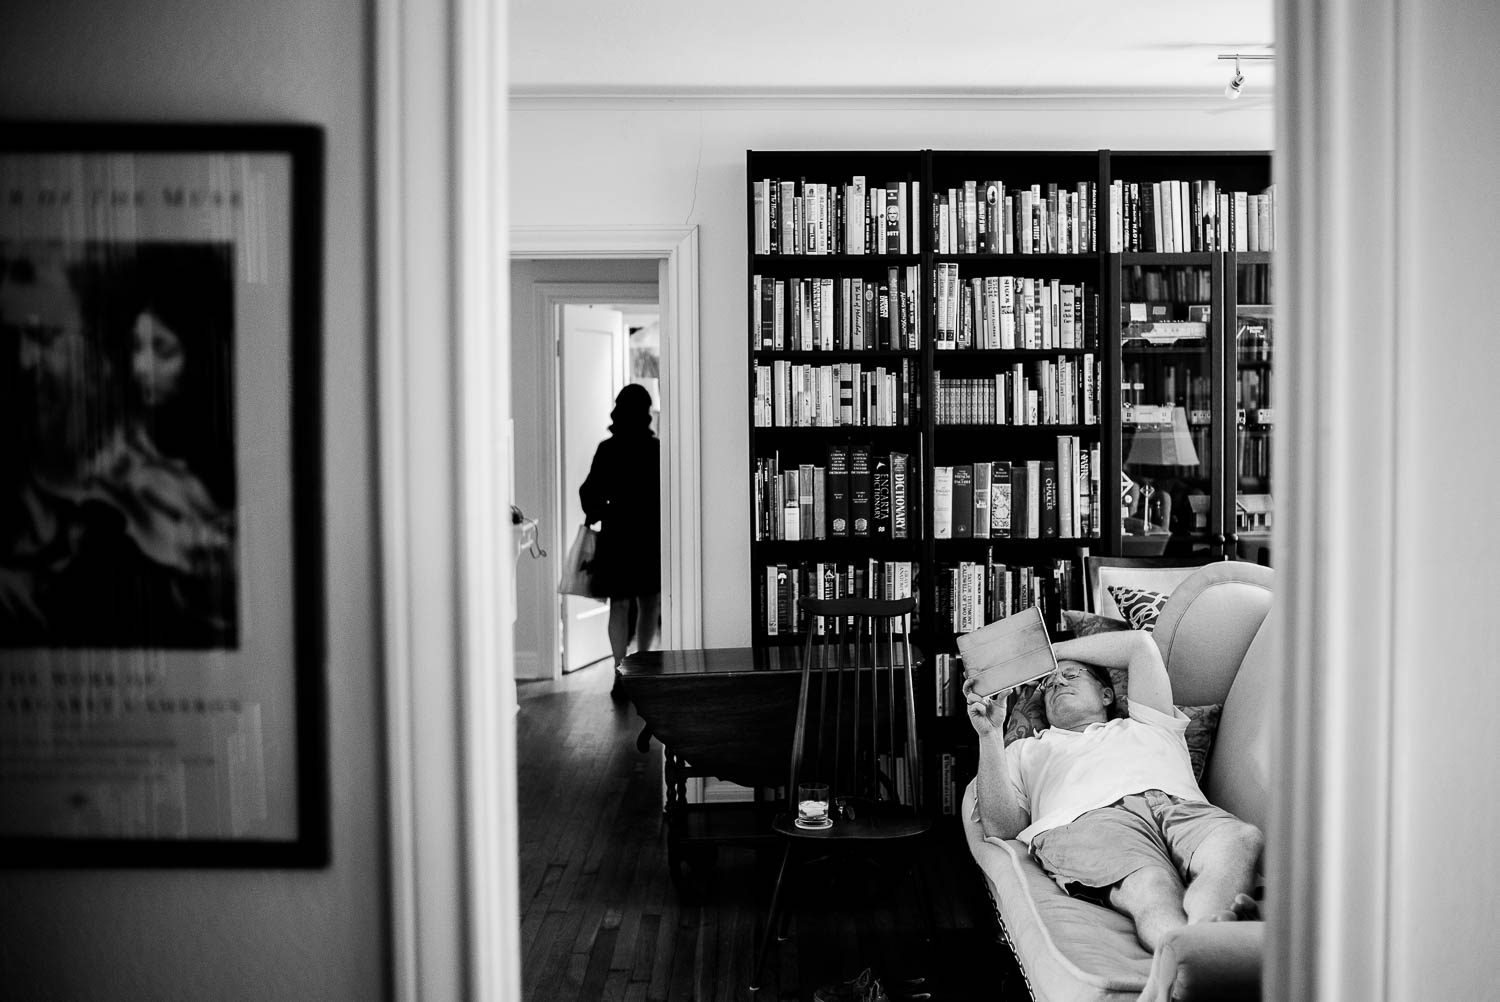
pixel 1076 695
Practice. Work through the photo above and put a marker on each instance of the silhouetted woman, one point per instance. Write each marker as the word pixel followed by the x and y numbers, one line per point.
pixel 623 492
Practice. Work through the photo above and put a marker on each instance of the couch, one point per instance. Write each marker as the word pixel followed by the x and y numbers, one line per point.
pixel 1214 636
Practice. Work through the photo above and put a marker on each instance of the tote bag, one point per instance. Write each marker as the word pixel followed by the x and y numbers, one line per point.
pixel 577 579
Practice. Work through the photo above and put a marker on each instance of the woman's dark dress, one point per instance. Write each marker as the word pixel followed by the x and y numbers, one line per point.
pixel 623 492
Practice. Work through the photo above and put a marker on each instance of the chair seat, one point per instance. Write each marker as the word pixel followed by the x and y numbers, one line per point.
pixel 870 823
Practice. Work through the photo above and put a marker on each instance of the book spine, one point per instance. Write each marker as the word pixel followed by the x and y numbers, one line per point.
pixel 900 517
pixel 880 491
pixel 942 502
pixel 861 504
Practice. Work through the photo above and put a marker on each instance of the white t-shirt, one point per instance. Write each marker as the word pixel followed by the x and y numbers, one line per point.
pixel 1060 774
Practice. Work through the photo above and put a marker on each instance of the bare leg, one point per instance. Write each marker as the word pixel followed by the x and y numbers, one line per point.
pixel 619 627
pixel 1222 875
pixel 648 609
pixel 1152 898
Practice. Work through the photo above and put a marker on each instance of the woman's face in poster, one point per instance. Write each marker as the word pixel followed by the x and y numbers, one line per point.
pixel 157 360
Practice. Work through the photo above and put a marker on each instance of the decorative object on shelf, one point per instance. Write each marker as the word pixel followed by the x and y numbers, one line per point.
pixel 161 622
pixel 1161 444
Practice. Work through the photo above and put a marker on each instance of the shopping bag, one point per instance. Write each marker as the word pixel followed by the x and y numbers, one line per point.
pixel 577 579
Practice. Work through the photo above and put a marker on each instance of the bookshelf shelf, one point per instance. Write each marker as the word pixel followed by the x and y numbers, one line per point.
pixel 976 326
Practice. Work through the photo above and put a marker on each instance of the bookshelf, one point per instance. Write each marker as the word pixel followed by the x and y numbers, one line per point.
pixel 1191 343
pixel 939 339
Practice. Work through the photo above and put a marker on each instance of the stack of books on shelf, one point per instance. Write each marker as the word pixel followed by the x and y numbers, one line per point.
pixel 984 217
pixel 1021 499
pixel 809 217
pixel 1061 391
pixel 974 593
pixel 1002 312
pixel 1180 217
pixel 837 314
pixel 784 586
pixel 800 395
pixel 860 492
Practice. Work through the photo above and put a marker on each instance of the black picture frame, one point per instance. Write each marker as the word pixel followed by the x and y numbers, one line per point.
pixel 167 730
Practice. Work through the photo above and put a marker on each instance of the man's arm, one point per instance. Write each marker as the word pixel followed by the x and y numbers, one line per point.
pixel 1000 812
pixel 1133 650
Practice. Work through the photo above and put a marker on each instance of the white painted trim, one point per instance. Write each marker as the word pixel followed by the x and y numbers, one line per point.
pixel 1338 530
pixel 707 99
pixel 682 526
pixel 485 557
pixel 546 298
pixel 440 76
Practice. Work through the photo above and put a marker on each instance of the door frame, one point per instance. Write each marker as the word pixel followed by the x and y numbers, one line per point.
pixel 547 297
pixel 675 248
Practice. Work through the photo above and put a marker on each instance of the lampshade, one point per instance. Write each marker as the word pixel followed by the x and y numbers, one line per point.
pixel 1164 444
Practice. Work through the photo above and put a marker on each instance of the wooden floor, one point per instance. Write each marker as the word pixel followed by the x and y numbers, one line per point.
pixel 602 919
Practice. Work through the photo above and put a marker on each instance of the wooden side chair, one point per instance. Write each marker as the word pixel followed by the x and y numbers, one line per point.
pixel 857 733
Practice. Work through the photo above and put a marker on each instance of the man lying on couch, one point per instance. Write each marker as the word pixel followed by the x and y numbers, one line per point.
pixel 1110 808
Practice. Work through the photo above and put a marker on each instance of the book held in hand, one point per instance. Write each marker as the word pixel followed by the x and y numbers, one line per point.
pixel 1008 652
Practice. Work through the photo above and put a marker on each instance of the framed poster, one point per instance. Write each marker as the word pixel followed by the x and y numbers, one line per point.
pixel 161 593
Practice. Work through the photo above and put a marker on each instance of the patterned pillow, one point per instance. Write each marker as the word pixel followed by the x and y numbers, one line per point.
pixel 1086 624
pixel 1203 724
pixel 1139 606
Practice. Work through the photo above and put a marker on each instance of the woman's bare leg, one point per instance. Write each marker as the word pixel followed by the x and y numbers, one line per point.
pixel 648 611
pixel 619 627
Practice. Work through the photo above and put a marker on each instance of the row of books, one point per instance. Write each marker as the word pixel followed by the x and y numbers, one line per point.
pixel 973 593
pixel 1042 392
pixel 1253 446
pixel 836 314
pixel 1021 499
pixel 1004 311
pixel 784 586
pixel 801 395
pixel 859 493
pixel 811 217
pixel 983 217
pixel 1177 217
pixel 954 775
pixel 1177 286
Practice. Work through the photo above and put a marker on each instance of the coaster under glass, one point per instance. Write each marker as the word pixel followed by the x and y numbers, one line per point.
pixel 825 823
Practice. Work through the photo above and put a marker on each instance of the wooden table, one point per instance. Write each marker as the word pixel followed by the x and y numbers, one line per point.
pixel 728 713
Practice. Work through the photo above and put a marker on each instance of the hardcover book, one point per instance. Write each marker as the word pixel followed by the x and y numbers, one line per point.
pixel 880 497
pixel 861 503
pixel 838 490
pixel 963 501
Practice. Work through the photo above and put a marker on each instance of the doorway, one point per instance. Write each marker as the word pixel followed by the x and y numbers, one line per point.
pixel 571 351
pixel 601 348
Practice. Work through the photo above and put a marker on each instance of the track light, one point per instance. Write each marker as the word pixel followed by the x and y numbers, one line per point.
pixel 1236 83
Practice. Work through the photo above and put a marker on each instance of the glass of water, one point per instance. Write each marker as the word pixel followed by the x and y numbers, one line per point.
pixel 812 806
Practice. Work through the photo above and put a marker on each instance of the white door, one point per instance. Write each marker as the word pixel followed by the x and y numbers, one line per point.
pixel 591 370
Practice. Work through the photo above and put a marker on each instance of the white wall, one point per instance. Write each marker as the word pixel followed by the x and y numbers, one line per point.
pixel 599 162
pixel 252 934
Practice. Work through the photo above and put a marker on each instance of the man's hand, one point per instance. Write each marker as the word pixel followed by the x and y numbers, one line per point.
pixel 986 713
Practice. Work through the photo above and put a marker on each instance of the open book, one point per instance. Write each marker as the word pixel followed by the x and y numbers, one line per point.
pixel 1008 652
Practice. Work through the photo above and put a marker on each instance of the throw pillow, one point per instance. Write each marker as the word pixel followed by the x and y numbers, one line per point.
pixel 1203 724
pixel 1141 607
pixel 1086 624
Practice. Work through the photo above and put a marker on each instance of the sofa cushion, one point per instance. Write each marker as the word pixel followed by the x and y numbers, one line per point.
pixel 1140 606
pixel 1239 772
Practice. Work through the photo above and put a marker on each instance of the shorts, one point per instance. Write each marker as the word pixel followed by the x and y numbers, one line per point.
pixel 1104 846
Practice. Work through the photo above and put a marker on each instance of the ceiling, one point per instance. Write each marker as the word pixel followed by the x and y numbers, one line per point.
pixel 908 47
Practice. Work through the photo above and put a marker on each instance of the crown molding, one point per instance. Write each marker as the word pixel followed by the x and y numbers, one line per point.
pixel 529 98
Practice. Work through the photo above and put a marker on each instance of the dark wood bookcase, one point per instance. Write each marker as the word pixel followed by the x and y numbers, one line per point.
pixel 1148 363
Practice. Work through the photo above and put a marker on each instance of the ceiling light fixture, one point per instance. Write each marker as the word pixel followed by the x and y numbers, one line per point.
pixel 1237 82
